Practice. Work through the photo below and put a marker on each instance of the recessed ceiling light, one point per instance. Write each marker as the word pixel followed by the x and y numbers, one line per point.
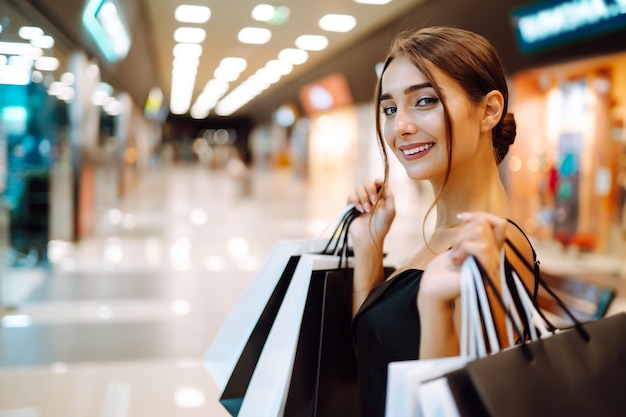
pixel 234 64
pixel 270 14
pixel 187 50
pixel 189 35
pixel 279 66
pixel 256 36
pixel 187 13
pixel 43 42
pixel 47 63
pixel 337 22
pixel 294 56
pixel 312 42
pixel 29 32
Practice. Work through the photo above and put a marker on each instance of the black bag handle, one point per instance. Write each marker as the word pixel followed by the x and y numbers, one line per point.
pixel 578 325
pixel 338 243
pixel 540 282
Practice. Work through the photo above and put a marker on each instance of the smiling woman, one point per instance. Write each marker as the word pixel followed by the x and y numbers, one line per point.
pixel 442 111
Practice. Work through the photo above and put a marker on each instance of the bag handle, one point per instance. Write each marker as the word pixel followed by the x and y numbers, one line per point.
pixel 523 346
pixel 540 282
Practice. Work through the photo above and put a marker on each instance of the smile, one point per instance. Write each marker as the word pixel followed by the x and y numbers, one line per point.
pixel 416 150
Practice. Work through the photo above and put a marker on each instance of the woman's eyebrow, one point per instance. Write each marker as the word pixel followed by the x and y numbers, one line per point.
pixel 410 89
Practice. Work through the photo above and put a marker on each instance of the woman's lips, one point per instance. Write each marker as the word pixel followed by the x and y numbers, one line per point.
pixel 417 151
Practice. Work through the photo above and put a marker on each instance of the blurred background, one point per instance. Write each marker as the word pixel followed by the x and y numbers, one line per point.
pixel 153 151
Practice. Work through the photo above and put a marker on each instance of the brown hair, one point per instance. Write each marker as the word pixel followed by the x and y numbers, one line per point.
pixel 470 60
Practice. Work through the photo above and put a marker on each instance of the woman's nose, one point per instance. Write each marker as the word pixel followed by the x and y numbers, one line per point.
pixel 404 122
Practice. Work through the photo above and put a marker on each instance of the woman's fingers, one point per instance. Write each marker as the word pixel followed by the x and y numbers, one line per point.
pixel 365 196
pixel 481 235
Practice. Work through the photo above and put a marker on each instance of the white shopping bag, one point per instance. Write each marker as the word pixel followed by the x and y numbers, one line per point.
pixel 228 344
pixel 267 391
pixel 404 377
pixel 433 395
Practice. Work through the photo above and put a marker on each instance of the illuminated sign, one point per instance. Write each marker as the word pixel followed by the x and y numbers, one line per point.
pixel 550 23
pixel 104 22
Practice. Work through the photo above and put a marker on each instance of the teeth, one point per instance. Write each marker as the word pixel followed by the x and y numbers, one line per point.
pixel 413 151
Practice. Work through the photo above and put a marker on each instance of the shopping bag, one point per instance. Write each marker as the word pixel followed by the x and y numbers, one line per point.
pixel 324 377
pixel 575 372
pixel 579 371
pixel 235 389
pixel 235 350
pixel 419 388
pixel 404 378
pixel 227 346
pixel 267 392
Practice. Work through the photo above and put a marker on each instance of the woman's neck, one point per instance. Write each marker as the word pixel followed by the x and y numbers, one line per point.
pixel 467 192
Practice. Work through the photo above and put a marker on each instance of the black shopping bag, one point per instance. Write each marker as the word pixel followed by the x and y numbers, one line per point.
pixel 576 372
pixel 324 378
pixel 235 389
pixel 324 375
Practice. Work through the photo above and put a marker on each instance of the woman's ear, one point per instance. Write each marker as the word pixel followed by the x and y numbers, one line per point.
pixel 493 105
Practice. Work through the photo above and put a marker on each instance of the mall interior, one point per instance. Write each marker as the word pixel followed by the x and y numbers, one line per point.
pixel 129 228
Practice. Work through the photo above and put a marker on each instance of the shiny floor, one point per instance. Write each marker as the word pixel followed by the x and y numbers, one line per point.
pixel 119 323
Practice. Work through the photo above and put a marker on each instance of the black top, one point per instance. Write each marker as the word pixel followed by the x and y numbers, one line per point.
pixel 386 329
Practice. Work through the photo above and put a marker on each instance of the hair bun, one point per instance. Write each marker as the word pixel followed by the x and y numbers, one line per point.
pixel 504 136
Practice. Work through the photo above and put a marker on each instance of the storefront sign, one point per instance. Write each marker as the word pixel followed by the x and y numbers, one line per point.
pixel 550 23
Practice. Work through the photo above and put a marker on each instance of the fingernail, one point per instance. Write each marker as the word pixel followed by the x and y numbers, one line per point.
pixel 464 216
pixel 373 198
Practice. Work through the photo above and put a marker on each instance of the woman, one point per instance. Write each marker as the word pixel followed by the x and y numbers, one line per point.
pixel 442 98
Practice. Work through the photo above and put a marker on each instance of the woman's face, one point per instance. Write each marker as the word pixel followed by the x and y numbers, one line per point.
pixel 414 123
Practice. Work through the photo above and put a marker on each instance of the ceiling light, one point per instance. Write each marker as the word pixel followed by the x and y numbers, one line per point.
pixel 266 75
pixel 372 1
pixel 29 32
pixel 224 74
pixel 186 61
pixel 312 42
pixel 216 87
pixel 280 67
pixel 43 42
pixel 22 62
pixel 270 14
pixel 189 35
pixel 294 56
pixel 234 64
pixel 47 63
pixel 19 48
pixel 337 22
pixel 257 36
pixel 187 50
pixel 192 14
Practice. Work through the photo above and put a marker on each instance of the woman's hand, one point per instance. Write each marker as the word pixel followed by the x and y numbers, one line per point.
pixel 373 225
pixel 480 235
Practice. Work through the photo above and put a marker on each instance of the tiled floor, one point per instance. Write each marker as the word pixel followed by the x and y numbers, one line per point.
pixel 119 324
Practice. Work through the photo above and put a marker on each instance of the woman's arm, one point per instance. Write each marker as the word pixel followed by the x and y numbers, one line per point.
pixel 368 232
pixel 481 235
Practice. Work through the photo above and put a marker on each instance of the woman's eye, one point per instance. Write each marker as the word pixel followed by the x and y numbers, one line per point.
pixel 389 110
pixel 426 101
